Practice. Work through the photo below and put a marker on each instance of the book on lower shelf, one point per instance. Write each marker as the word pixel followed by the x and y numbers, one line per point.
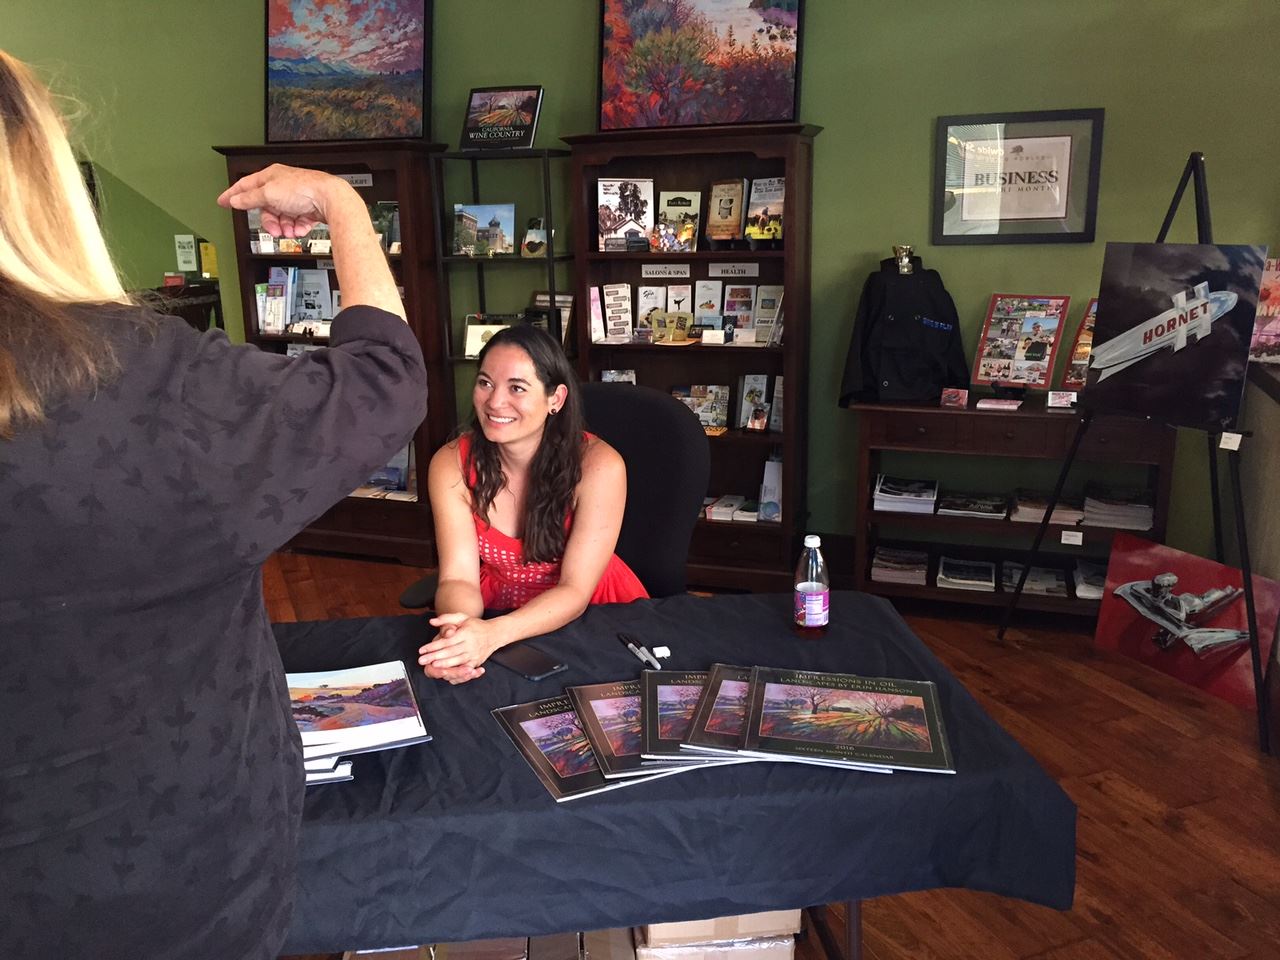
pixel 1041 581
pixel 1119 509
pixel 892 565
pixel 1090 579
pixel 397 480
pixel 987 506
pixel 1030 507
pixel 724 506
pixel 955 574
pixel 837 719
pixel 901 495
pixel 354 710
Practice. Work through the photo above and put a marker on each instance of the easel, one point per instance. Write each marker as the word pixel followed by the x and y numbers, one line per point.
pixel 1194 171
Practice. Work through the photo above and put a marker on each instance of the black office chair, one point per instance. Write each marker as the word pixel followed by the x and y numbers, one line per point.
pixel 668 468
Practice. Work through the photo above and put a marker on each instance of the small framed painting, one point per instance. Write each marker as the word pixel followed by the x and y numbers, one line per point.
pixel 358 70
pixel 1027 177
pixel 1078 363
pixel 699 62
pixel 501 117
pixel 484 229
pixel 1017 344
pixel 478 335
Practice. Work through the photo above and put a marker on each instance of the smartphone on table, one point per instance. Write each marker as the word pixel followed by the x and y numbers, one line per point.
pixel 530 662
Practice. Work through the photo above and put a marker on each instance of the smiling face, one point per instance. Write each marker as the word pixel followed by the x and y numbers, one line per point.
pixel 511 403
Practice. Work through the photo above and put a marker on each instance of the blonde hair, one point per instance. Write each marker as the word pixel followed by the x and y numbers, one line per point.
pixel 52 256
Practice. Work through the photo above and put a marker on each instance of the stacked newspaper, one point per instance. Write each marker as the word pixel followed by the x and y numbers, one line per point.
pixel 956 574
pixel 1091 579
pixel 900 566
pixel 898 495
pixel 358 710
pixel 988 506
pixel 1122 509
pixel 1044 581
pixel 1030 507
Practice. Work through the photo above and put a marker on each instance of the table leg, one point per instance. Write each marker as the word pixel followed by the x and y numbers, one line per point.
pixel 818 919
pixel 853 930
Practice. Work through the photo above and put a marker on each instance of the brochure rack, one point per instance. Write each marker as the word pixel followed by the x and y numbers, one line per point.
pixel 394 170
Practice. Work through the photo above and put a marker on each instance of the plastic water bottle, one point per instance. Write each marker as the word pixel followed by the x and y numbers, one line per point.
pixel 813 590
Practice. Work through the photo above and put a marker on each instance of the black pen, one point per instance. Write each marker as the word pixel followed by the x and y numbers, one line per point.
pixel 638 652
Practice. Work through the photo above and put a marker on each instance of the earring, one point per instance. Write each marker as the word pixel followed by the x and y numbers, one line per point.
pixel 553 411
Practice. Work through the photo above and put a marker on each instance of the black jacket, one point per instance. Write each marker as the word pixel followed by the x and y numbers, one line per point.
pixel 150 771
pixel 906 339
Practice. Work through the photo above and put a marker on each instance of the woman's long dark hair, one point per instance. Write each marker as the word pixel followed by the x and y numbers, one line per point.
pixel 557 466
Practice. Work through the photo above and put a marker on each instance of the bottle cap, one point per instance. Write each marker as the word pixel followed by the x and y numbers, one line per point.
pixel 812 540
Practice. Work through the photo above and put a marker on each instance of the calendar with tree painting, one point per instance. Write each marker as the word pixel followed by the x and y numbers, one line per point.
pixel 550 737
pixel 1017 345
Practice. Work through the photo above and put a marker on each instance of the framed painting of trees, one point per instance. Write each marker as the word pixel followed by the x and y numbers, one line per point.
pixel 680 63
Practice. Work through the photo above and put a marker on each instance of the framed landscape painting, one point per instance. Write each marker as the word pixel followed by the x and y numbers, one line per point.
pixel 347 69
pixel 680 63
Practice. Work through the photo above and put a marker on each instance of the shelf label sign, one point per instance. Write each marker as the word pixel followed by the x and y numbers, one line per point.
pixel 733 270
pixel 358 179
pixel 658 271
pixel 325 265
pixel 1073 538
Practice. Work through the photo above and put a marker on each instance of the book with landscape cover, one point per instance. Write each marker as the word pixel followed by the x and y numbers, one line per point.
pixel 550 737
pixel 719 721
pixel 610 714
pixel 670 698
pixel 357 710
pixel 863 722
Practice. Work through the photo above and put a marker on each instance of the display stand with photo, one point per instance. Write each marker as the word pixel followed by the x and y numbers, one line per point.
pixel 1171 344
pixel 1016 347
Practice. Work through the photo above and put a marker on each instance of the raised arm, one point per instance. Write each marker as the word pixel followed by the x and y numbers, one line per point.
pixel 465 642
pixel 294 199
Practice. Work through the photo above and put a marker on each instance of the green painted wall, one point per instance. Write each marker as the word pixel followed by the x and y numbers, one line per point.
pixel 164 81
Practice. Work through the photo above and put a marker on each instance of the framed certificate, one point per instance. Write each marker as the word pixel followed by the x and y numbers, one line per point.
pixel 1017 177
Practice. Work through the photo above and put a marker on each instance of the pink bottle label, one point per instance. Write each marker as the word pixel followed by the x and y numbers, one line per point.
pixel 812 609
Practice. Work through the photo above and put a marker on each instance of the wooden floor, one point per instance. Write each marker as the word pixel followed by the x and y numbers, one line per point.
pixel 1179 815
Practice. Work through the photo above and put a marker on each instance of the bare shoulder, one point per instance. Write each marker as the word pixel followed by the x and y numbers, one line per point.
pixel 600 458
pixel 445 466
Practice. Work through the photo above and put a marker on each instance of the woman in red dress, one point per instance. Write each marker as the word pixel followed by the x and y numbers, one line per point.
pixel 527 509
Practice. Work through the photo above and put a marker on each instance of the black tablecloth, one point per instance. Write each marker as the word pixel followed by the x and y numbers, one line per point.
pixel 458 840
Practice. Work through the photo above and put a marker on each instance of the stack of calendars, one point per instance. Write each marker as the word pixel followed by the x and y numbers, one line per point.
pixel 605 736
pixel 1043 581
pixel 1029 507
pixel 897 495
pixel 358 710
pixel 987 506
pixel 956 574
pixel 876 724
pixel 1125 510
pixel 1091 579
pixel 900 566
pixel 594 738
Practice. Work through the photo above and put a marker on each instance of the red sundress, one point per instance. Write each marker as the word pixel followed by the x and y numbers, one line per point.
pixel 507 582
